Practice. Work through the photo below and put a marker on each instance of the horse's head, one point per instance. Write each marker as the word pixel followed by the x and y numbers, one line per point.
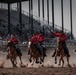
pixel 33 48
pixel 59 43
pixel 11 48
pixel 29 43
pixel 10 43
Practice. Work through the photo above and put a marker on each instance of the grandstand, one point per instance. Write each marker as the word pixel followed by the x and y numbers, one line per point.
pixel 21 26
pixel 38 26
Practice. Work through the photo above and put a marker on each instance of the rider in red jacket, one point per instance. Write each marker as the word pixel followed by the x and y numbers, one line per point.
pixel 61 35
pixel 34 39
pixel 15 41
pixel 63 38
pixel 41 39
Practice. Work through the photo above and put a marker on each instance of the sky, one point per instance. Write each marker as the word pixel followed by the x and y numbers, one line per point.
pixel 57 9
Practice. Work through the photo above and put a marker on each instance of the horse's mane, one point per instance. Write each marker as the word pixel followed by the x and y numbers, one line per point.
pixel 59 43
pixel 9 44
pixel 33 46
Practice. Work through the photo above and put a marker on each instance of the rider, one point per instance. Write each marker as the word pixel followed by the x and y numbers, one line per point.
pixel 15 41
pixel 35 40
pixel 41 39
pixel 63 38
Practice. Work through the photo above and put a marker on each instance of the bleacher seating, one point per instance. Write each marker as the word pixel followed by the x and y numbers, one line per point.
pixel 15 27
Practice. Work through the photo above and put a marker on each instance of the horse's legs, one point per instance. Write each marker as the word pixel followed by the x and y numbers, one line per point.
pixel 41 60
pixel 59 62
pixel 61 58
pixel 68 61
pixel 30 59
pixel 37 60
pixel 20 59
pixel 33 61
pixel 56 56
pixel 62 62
pixel 55 59
pixel 15 61
pixel 12 61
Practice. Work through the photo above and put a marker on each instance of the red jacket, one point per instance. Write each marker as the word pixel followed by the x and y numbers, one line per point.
pixel 40 38
pixel 34 39
pixel 14 40
pixel 62 36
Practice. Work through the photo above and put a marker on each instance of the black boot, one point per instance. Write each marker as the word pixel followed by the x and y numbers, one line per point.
pixel 54 53
pixel 19 51
pixel 44 52
pixel 68 54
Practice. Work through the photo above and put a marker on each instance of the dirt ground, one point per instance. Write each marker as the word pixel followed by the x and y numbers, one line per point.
pixel 38 71
pixel 49 67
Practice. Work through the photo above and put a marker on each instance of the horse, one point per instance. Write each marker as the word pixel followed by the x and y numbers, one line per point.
pixel 34 53
pixel 12 53
pixel 60 52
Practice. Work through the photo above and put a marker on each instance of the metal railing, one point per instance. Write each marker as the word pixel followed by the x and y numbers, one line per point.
pixel 42 21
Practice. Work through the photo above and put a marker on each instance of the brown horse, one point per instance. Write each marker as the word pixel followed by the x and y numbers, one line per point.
pixel 60 52
pixel 12 54
pixel 34 53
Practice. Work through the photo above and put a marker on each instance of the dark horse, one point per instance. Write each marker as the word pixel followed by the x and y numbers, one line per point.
pixel 12 53
pixel 34 53
pixel 60 52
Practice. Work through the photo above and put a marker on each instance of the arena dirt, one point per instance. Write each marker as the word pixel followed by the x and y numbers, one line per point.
pixel 47 68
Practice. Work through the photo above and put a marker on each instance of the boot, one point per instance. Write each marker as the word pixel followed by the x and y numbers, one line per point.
pixel 44 53
pixel 54 53
pixel 68 54
pixel 19 51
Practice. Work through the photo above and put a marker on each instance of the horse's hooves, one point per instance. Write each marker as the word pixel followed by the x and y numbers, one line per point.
pixel 37 62
pixel 69 65
pixel 21 62
pixel 40 62
pixel 59 64
pixel 42 65
pixel 30 60
pixel 22 65
pixel 32 64
pixel 14 66
pixel 62 66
